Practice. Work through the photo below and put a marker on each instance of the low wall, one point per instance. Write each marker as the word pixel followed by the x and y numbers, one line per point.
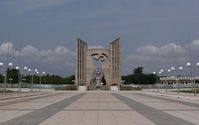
pixel 181 85
pixel 28 85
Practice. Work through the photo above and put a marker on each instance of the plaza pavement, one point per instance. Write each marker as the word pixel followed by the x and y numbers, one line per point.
pixel 99 108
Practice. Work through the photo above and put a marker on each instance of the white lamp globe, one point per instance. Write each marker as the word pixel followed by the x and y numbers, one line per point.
pixel 180 68
pixel 162 70
pixel 43 73
pixel 169 70
pixel 188 64
pixel 25 68
pixel 172 68
pixel 17 67
pixel 1 64
pixel 10 64
pixel 197 64
pixel 29 70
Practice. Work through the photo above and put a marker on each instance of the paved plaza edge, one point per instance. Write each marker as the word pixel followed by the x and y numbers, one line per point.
pixel 40 115
pixel 156 116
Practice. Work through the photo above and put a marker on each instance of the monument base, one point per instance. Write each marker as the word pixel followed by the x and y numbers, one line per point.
pixel 114 88
pixel 96 87
pixel 82 88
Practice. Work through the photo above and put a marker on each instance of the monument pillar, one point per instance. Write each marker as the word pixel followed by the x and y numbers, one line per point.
pixel 97 66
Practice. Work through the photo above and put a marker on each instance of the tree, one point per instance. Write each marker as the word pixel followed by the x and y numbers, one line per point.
pixel 138 77
pixel 138 70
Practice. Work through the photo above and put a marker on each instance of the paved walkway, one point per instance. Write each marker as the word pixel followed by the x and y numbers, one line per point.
pixel 98 108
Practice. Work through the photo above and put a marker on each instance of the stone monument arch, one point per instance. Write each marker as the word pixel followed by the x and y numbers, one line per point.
pixel 97 67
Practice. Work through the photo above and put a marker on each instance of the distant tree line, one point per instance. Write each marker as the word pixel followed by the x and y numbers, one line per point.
pixel 13 77
pixel 138 77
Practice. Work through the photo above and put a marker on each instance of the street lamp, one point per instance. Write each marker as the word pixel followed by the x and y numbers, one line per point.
pixel 188 64
pixel 17 68
pixel 197 64
pixel 173 69
pixel 43 73
pixel 169 70
pixel 154 73
pixel 36 70
pixel 39 80
pixel 25 68
pixel 1 66
pixel 29 70
pixel 25 74
pixel 180 69
pixel 191 77
pixel 10 64
pixel 159 79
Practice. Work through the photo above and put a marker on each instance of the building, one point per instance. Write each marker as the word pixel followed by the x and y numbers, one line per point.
pixel 173 80
pixel 98 67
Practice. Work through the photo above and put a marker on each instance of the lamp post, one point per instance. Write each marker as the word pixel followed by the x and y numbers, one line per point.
pixel 191 75
pixel 17 68
pixel 168 71
pixel 1 66
pixel 39 80
pixel 29 70
pixel 154 73
pixel 25 74
pixel 43 73
pixel 180 69
pixel 36 71
pixel 161 72
pixel 159 80
pixel 172 70
pixel 197 64
pixel 10 65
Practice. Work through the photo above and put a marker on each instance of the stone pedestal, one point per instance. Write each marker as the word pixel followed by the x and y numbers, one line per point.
pixel 114 88
pixel 82 88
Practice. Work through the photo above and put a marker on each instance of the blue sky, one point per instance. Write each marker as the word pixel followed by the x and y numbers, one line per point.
pixel 153 32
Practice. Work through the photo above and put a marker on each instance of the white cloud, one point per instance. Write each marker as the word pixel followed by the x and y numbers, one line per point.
pixel 148 50
pixel 167 50
pixel 167 54
pixel 30 54
pixel 4 47
pixel 195 44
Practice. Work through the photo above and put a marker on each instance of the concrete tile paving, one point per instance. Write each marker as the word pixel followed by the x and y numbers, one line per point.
pixel 99 108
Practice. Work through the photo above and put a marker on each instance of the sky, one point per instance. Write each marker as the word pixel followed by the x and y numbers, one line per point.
pixel 154 34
